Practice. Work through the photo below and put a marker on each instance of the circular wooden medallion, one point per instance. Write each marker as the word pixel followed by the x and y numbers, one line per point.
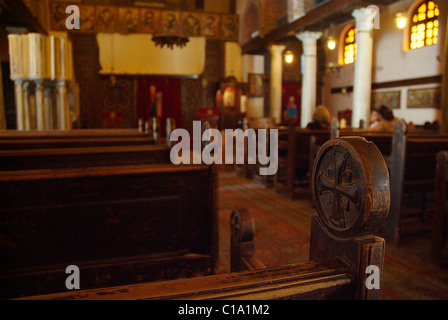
pixel 350 184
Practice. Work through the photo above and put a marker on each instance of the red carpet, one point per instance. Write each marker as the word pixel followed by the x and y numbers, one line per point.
pixel 282 230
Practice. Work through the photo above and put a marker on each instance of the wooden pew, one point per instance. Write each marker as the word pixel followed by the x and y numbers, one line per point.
pixel 339 256
pixel 81 138
pixel 74 133
pixel 32 159
pixel 411 160
pixel 248 170
pixel 296 154
pixel 439 237
pixel 119 224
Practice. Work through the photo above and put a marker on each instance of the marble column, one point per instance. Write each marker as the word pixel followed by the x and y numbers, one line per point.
pixel 276 82
pixel 27 106
pixel 309 75
pixel 20 104
pixel 62 106
pixel 362 83
pixel 41 123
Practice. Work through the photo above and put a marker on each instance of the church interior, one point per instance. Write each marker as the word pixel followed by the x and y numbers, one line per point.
pixel 104 198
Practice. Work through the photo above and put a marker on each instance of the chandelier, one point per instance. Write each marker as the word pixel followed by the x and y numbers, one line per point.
pixel 170 41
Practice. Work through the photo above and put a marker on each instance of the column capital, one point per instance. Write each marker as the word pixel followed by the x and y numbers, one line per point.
pixel 312 35
pixel 309 41
pixel 276 49
pixel 364 18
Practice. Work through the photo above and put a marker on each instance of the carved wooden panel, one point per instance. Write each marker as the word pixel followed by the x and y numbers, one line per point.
pixel 118 95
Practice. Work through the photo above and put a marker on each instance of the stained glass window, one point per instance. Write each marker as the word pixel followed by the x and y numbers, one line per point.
pixel 424 25
pixel 350 46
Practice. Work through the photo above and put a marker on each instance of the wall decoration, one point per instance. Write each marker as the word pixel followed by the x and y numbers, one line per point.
pixel 106 19
pixel 229 27
pixel 424 98
pixel 191 24
pixel 87 19
pixel 128 20
pixel 210 25
pixel 390 99
pixel 255 85
pixel 122 19
pixel 170 23
pixel 148 21
pixel 57 16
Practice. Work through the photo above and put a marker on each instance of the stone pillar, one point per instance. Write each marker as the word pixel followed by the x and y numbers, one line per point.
pixel 362 83
pixel 309 75
pixel 276 82
pixel 20 104
pixel 41 123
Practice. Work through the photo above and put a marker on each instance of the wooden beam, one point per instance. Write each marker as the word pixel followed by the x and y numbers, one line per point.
pixel 318 18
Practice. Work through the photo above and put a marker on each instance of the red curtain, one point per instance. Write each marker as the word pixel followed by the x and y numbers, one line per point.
pixel 146 104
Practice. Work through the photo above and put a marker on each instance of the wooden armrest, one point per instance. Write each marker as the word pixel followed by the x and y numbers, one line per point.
pixel 300 281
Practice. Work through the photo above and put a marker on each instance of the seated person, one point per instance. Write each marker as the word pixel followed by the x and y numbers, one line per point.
pixel 375 118
pixel 321 119
pixel 388 120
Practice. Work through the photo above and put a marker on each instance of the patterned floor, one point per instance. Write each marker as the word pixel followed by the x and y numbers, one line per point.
pixel 282 230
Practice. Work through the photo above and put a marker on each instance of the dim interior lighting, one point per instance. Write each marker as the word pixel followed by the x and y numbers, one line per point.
pixel 289 57
pixel 331 43
pixel 401 20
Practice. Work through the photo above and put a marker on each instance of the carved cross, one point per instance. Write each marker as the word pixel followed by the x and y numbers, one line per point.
pixel 338 181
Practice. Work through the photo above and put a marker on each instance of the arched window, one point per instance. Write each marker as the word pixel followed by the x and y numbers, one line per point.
pixel 424 25
pixel 349 46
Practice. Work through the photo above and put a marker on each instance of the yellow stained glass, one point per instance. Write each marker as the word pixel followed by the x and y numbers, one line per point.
pixel 422 8
pixel 350 46
pixel 424 25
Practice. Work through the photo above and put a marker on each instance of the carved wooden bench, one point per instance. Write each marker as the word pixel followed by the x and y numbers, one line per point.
pixel 411 160
pixel 296 156
pixel 33 159
pixel 119 224
pixel 79 138
pixel 351 190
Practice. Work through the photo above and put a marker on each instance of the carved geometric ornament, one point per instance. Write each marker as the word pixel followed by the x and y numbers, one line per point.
pixel 350 187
